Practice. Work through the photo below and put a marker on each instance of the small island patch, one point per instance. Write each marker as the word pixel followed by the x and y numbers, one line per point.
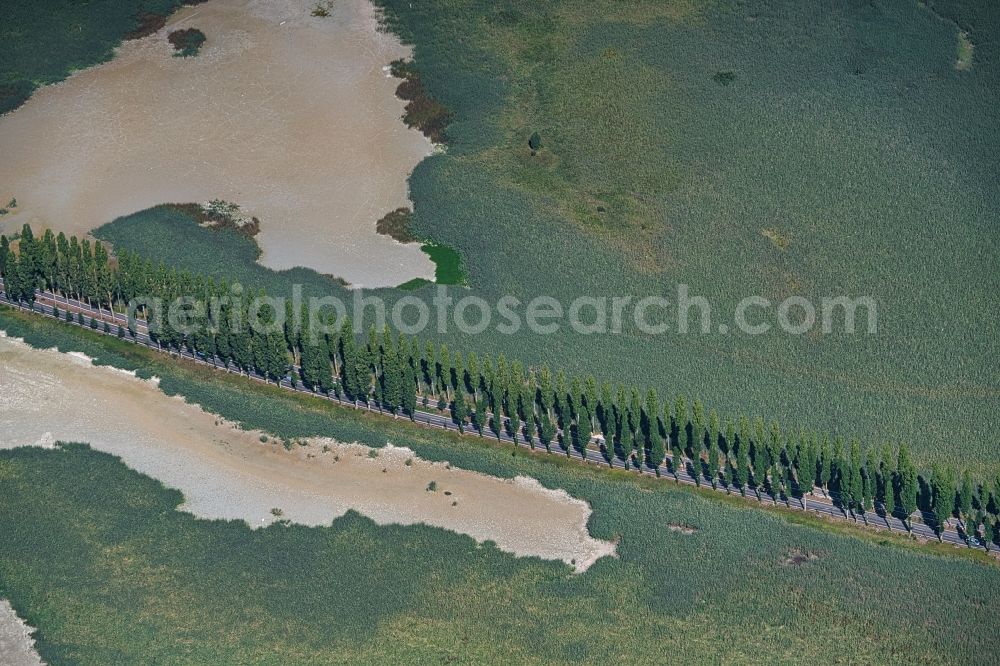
pixel 322 9
pixel 965 50
pixel 218 214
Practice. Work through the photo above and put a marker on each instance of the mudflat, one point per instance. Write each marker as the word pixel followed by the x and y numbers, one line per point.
pixel 225 472
pixel 292 116
pixel 16 645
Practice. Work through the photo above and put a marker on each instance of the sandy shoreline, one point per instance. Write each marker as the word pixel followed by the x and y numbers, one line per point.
pixel 291 116
pixel 225 472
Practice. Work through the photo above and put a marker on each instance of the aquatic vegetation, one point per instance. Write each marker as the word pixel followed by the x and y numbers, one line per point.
pixel 72 36
pixel 422 110
pixel 395 224
pixel 361 593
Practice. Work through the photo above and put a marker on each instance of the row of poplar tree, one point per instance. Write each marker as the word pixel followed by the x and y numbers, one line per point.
pixel 501 396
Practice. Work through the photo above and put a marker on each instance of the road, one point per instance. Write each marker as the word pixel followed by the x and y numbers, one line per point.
pixel 822 504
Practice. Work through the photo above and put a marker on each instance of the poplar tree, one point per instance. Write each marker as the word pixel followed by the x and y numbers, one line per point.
pixel 457 372
pixel 392 374
pixel 479 416
pixel 839 473
pixel 528 405
pixel 869 483
pixel 444 372
pixel 459 411
pixel 559 401
pixel 4 254
pixel 965 492
pixel 496 418
pixel 825 466
pixel 805 470
pixel 591 398
pixel 487 380
pixel 501 382
pixel 743 455
pixel 15 282
pixel 605 418
pixel 516 410
pixel 852 487
pixel 428 365
pixel 887 482
pixel 410 377
pixel 942 496
pixel 349 353
pixel 276 355
pixel 996 494
pixel 680 419
pixel 775 444
pixel 696 439
pixel 635 417
pixel 651 429
pixel 26 252
pixel 972 524
pixel 545 390
pixel 729 463
pixel 907 484
pixel 581 429
pixel 713 447
pixel 472 375
pixel 758 459
pixel 789 484
pixel 760 437
pixel 546 430
pixel 619 421
pixel 625 421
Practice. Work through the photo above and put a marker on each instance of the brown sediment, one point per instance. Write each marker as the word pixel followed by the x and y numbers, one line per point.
pixel 423 112
pixel 148 23
pixel 207 218
pixel 396 224
pixel 797 557
pixel 292 117
pixel 683 529
pixel 228 473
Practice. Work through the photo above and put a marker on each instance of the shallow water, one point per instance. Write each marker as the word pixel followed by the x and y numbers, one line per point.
pixel 16 645
pixel 223 472
pixel 289 115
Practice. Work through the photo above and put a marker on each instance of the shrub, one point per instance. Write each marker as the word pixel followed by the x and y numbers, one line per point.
pixel 535 142
pixel 186 42
pixel 322 9
pixel 724 78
